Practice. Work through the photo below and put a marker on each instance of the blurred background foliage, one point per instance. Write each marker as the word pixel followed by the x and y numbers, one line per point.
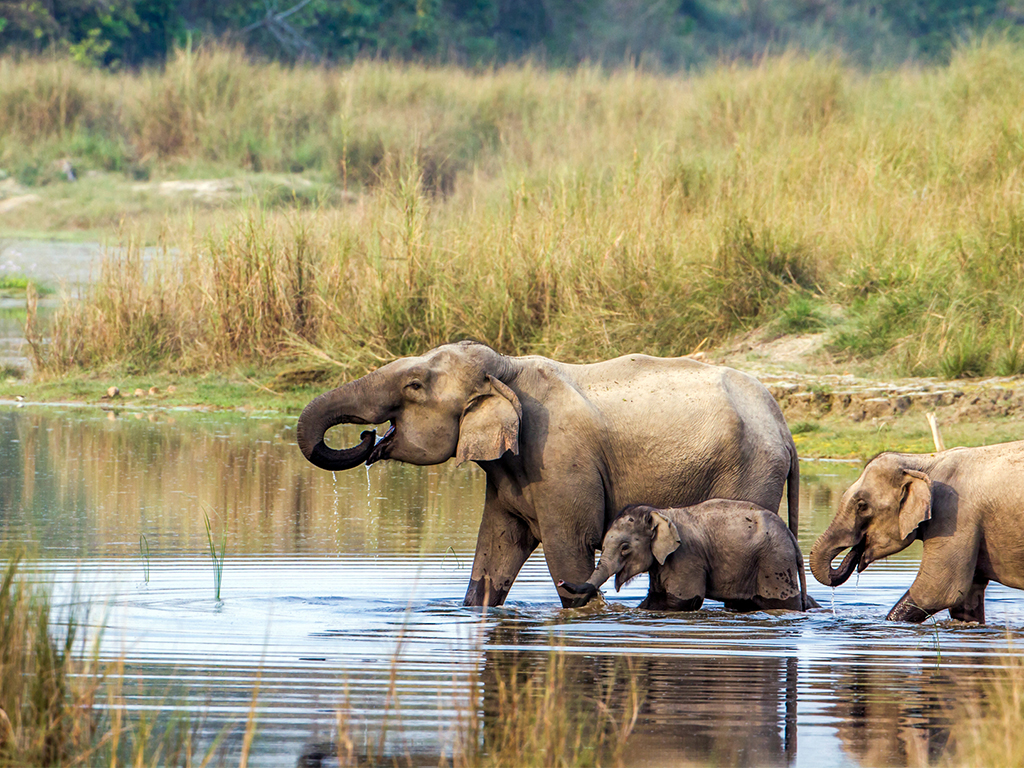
pixel 659 34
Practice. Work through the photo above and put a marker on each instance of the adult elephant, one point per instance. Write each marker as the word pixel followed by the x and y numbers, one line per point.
pixel 964 504
pixel 564 447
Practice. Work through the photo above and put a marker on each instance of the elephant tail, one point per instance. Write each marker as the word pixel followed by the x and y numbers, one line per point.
pixel 806 601
pixel 793 491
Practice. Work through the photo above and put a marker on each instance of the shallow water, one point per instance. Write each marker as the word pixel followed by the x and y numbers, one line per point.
pixel 342 593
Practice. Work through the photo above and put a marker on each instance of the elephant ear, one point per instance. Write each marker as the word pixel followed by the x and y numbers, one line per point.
pixel 490 423
pixel 915 501
pixel 664 537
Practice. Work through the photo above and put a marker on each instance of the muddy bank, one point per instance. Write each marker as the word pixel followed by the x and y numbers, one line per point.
pixel 808 397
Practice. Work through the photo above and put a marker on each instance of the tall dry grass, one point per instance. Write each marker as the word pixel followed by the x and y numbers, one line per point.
pixel 511 709
pixel 43 710
pixel 577 214
pixel 987 733
pixel 60 705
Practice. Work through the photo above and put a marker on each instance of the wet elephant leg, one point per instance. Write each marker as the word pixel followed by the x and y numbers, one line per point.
pixel 944 580
pixel 663 601
pixel 571 563
pixel 794 603
pixel 502 546
pixel 907 610
pixel 973 606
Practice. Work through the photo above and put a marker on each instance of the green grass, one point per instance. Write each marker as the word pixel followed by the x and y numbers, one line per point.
pixel 836 437
pixel 13 283
pixel 218 559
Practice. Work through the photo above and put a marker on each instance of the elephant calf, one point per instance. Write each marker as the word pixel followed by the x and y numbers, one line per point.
pixel 732 551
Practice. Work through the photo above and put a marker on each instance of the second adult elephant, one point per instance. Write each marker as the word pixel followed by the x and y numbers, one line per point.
pixel 967 507
pixel 564 447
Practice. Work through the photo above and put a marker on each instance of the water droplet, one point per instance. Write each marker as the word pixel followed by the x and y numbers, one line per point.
pixel 833 601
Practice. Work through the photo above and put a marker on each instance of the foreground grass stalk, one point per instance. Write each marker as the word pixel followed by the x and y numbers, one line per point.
pixel 987 730
pixel 42 721
pixel 62 707
pixel 144 551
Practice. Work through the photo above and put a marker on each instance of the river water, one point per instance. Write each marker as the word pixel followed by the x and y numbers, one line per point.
pixel 341 597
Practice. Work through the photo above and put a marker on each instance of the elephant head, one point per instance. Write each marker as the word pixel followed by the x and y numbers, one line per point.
pixel 445 403
pixel 878 516
pixel 636 538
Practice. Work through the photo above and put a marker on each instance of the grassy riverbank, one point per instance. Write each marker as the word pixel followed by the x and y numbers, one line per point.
pixel 578 215
pixel 334 219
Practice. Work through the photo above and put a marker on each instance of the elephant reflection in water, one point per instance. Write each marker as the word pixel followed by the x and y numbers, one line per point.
pixel 882 721
pixel 720 710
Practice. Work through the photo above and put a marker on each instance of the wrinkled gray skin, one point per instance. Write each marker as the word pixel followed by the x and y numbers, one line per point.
pixel 967 507
pixel 564 447
pixel 732 551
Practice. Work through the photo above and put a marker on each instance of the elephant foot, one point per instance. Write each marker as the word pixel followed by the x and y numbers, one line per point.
pixel 907 610
pixel 810 602
pixel 972 608
pixel 669 602
pixel 581 594
pixel 482 592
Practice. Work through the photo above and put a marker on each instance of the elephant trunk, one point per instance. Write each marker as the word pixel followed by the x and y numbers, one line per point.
pixel 833 541
pixel 601 574
pixel 344 405
pixel 587 590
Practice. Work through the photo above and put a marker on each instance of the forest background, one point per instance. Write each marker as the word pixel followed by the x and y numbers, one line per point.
pixel 662 34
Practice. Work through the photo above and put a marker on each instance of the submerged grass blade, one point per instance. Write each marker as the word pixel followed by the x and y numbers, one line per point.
pixel 144 550
pixel 218 560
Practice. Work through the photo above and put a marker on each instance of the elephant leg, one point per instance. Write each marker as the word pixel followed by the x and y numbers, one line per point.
pixel 945 579
pixel 907 610
pixel 577 561
pixel 502 546
pixel 663 601
pixel 793 603
pixel 973 606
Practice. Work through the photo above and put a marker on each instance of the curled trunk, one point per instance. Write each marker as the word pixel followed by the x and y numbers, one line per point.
pixel 337 460
pixel 825 551
pixel 340 406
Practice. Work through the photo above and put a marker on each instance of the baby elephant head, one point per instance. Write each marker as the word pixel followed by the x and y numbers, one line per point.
pixel 638 536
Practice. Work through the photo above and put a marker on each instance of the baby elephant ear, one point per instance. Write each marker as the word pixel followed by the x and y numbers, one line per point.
pixel 490 423
pixel 664 538
pixel 915 501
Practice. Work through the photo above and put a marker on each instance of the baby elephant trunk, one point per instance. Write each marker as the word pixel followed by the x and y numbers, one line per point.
pixel 588 589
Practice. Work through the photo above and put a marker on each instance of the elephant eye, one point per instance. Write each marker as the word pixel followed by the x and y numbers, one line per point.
pixel 625 547
pixel 415 386
pixel 861 505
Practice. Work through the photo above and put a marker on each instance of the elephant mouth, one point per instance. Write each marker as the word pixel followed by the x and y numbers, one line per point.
pixel 382 450
pixel 622 581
